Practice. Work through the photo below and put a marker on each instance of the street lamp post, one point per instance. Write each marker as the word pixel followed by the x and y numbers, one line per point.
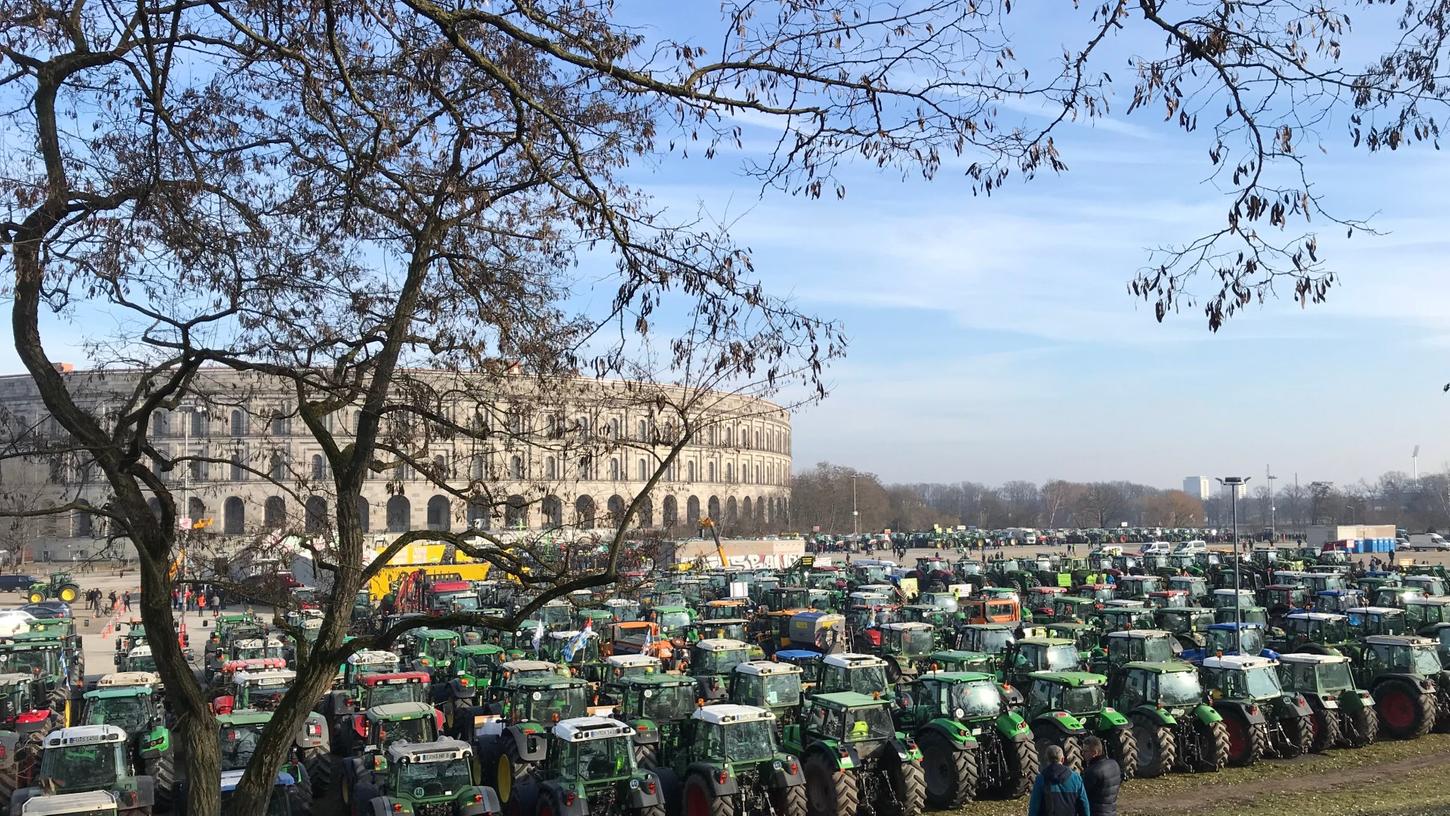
pixel 855 513
pixel 1273 525
pixel 1233 483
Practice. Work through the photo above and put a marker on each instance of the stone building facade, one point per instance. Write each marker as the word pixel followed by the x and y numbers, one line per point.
pixel 736 470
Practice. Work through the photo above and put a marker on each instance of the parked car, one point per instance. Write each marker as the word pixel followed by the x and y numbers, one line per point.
pixel 16 583
pixel 1427 541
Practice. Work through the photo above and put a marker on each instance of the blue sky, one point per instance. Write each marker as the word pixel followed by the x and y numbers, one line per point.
pixel 993 338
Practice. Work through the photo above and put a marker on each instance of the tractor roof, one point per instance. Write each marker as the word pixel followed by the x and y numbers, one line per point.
pixel 371 657
pixel 436 634
pixel 1376 610
pixel 84 735
pixel 1044 641
pixel 1172 667
pixel 847 660
pixel 1238 662
pixel 545 681
pixel 629 661
pixel 1315 616
pixel 1123 603
pixel 392 712
pixel 908 626
pixel 230 779
pixel 439 750
pixel 846 699
pixel 130 678
pixel 584 729
pixel 144 650
pixel 767 668
pixel 1139 634
pixel 988 627
pixel 526 666
pixel 117 692
pixel 64 803
pixel 258 643
pixel 245 718
pixel 1316 659
pixel 451 586
pixel 393 678
pixel 727 713
pixel 657 679
pixel 1073 679
pixel 957 677
pixel 1398 640
pixel 720 644
pixel 1231 626
pixel 479 649
pixel 15 678
pixel 270 677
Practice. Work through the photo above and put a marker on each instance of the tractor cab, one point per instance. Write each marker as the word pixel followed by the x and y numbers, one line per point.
pixel 477 662
pixel 430 777
pixel 1168 599
pixel 655 705
pixel 775 687
pixel 999 608
pixel 1432 585
pixel 1229 598
pixel 1195 586
pixel 544 698
pixel 81 759
pixel 1365 621
pixel 592 758
pixel 255 691
pixel 1338 600
pixel 21 706
pixel 907 642
pixel 392 687
pixel 1322 628
pixel 1323 581
pixel 987 638
pixel 1283 598
pixel 89 803
pixel 382 726
pixel 431 650
pixel 368 661
pixel 727 609
pixel 1422 615
pixel 859 673
pixel 1140 646
pixel 1396 596
pixel 258 649
pixel 1188 624
pixel 620 666
pixel 1074 608
pixel 674 621
pixel 1137 587
pixel 1118 618
pixel 1040 654
pixel 1242 677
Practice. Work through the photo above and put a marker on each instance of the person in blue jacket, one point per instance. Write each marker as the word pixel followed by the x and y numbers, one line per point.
pixel 1058 790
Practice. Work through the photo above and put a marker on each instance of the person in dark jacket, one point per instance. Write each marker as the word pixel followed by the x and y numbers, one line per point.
pixel 1101 776
pixel 1058 790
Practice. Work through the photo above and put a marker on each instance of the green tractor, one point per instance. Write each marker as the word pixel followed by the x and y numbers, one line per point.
pixel 1407 681
pixel 859 673
pixel 60 586
pixel 711 662
pixel 250 703
pixel 904 645
pixel 1065 707
pixel 775 687
pixel 511 748
pixel 971 740
pixel 1173 727
pixel 1343 715
pixel 24 725
pixel 59 679
pixel 854 757
pixel 89 758
pixel 729 763
pixel 238 735
pixel 1260 717
pixel 589 769
pixel 138 711
pixel 437 778
pixel 1036 654
pixel 655 705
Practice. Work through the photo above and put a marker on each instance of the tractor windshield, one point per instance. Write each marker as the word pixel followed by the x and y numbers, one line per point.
pixel 144 662
pixel 770 691
pixel 668 702
pixel 130 714
pixel 868 723
pixel 434 779
pixel 417 729
pixel 860 679
pixel 1179 688
pixel 384 693
pixel 597 760
pixel 1261 683
pixel 238 743
pixel 82 767
pixel 1427 661
pixel 1335 676
pixel 1082 699
pixel 265 698
pixel 913 642
pixel 673 621
pixel 458 602
pixel 721 661
pixel 552 705
pixel 32 661
pixel 741 742
pixel 976 700
pixel 1062 657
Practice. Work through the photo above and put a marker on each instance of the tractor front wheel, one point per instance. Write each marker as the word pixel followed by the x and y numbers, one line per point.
pixel 1157 748
pixel 68 593
pixel 830 791
pixel 1405 712
pixel 1324 730
pixel 951 774
pixel 511 770
pixel 1212 747
pixel 1124 748
pixel 700 800
pixel 36 597
pixel 1359 727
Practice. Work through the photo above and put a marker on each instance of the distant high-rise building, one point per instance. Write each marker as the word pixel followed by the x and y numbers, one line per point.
pixel 1199 486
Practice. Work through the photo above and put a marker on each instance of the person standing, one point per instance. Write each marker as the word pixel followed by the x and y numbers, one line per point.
pixel 1058 790
pixel 126 600
pixel 112 598
pixel 1101 776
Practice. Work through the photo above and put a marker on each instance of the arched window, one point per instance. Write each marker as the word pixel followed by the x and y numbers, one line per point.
pixel 643 431
pixel 671 512
pixel 239 423
pixel 274 512
pixel 475 468
pixel 281 425
pixel 195 509
pixel 730 472
pixel 552 511
pixel 690 471
pixel 643 470
pixel 584 512
pixel 745 508
pixel 364 513
pixel 586 468
pixel 234 516
pixel 673 471
pixel 692 512
pixel 400 514
pixel 516 468
pixel 516 513
pixel 731 511
pixel 760 509
pixel 319 467
pixel 714 507
pixel 479 515
pixel 197 469
pixel 615 428
pixel 613 469
pixel 199 424
pixel 82 525
pixel 616 509
pixel 439 517
pixel 315 515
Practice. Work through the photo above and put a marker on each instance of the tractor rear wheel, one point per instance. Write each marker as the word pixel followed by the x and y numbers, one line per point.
pixel 830 791
pixel 511 769
pixel 700 800
pixel 1359 728
pixel 789 801
pixel 907 795
pixel 163 769
pixel 646 756
pixel 1212 747
pixel 1244 748
pixel 1405 712
pixel 1293 737
pixel 320 772
pixel 951 774
pixel 1157 748
pixel 1123 748
pixel 1324 730
pixel 1021 761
